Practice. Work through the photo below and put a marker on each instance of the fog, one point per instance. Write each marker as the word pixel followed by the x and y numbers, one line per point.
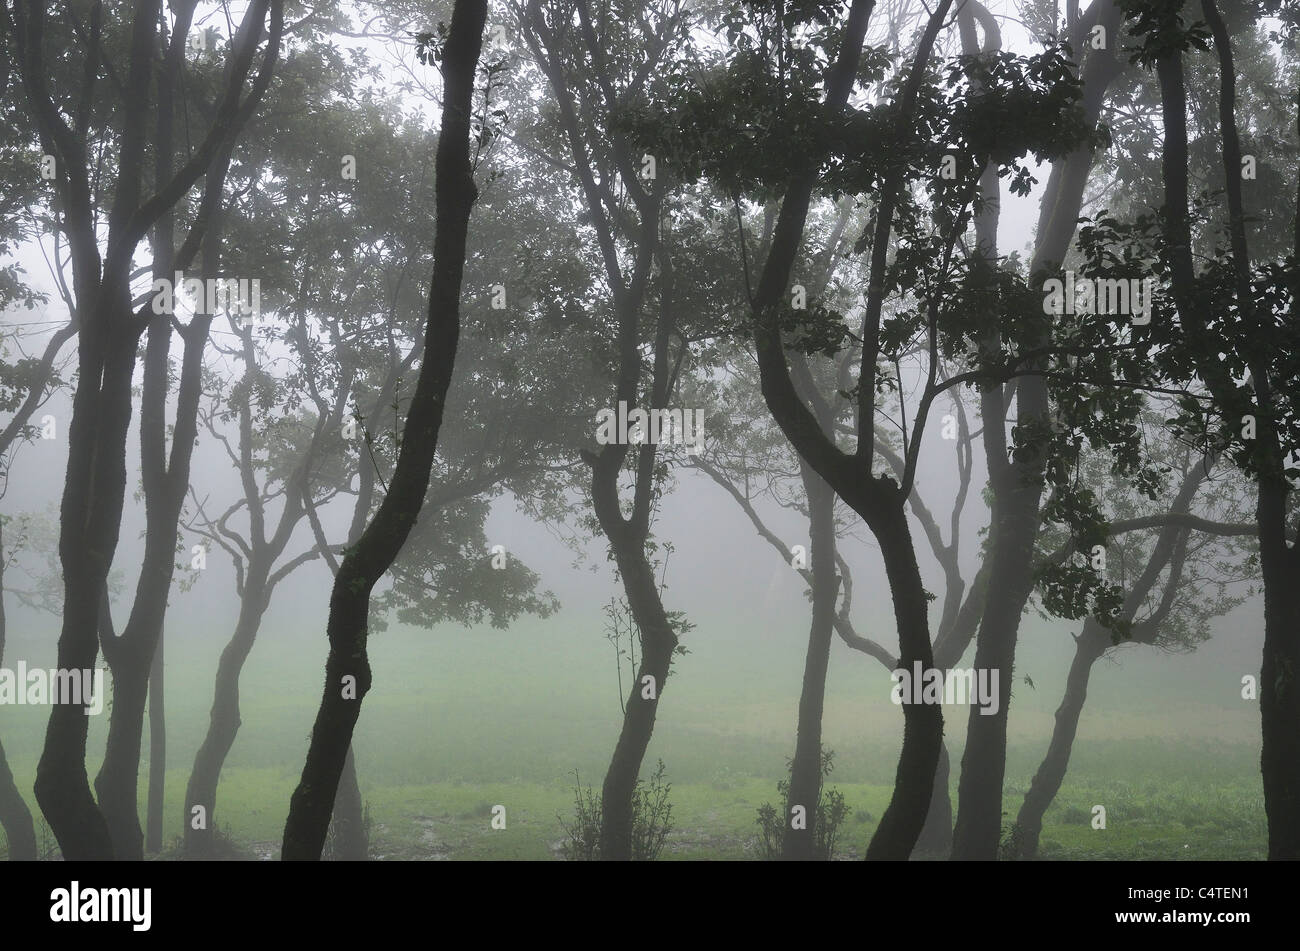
pixel 544 671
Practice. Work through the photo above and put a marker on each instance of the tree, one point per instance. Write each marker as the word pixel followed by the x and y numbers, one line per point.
pixel 750 461
pixel 26 212
pixel 347 671
pixel 14 814
pixel 110 328
pixel 1177 568
pixel 902 157
pixel 302 457
pixel 879 501
pixel 1017 479
pixel 595 73
pixel 1232 327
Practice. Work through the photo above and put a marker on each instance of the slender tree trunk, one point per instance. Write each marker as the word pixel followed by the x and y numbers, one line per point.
pixel 131 656
pixel 165 476
pixel 95 487
pixel 1092 642
pixel 157 755
pixel 15 817
pixel 1279 695
pixel 199 819
pixel 1090 645
pixel 627 537
pixel 89 522
pixel 658 643
pixel 347 667
pixel 998 638
pixel 117 784
pixel 1279 703
pixel 901 824
pixel 1017 490
pixel 351 843
pixel 806 770
pixel 14 814
pixel 978 829
pixel 1279 699
pixel 880 501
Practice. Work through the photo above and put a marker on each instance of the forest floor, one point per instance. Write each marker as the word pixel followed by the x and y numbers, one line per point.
pixel 460 722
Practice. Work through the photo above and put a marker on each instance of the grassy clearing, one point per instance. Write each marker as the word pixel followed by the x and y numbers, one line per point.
pixel 460 721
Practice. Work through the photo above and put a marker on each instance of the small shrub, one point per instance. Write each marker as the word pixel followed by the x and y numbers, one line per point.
pixel 583 834
pixel 651 820
pixel 827 818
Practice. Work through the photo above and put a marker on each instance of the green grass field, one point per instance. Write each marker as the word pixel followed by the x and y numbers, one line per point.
pixel 460 721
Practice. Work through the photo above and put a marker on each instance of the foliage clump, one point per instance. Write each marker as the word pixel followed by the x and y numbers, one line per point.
pixel 651 820
pixel 829 816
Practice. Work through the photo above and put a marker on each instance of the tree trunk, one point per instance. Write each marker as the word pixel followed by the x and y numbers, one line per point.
pixel 95 487
pixel 157 755
pixel 14 814
pixel 223 720
pixel 90 519
pixel 15 817
pixel 806 771
pixel 351 844
pixel 658 643
pixel 1091 644
pixel 165 481
pixel 1017 491
pixel 117 784
pixel 1279 698
pixel 978 829
pixel 1279 703
pixel 879 500
pixel 347 668
pixel 901 824
pixel 1279 695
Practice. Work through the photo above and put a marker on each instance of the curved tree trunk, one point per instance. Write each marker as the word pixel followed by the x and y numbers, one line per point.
pixel 1279 703
pixel 165 474
pixel 901 824
pixel 978 828
pixel 89 522
pixel 165 477
pixel 806 770
pixel 347 668
pixel 1017 492
pixel 879 500
pixel 223 720
pixel 15 817
pixel 14 814
pixel 1170 550
pixel 95 487
pixel 157 755
pixel 658 644
pixel 1089 647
